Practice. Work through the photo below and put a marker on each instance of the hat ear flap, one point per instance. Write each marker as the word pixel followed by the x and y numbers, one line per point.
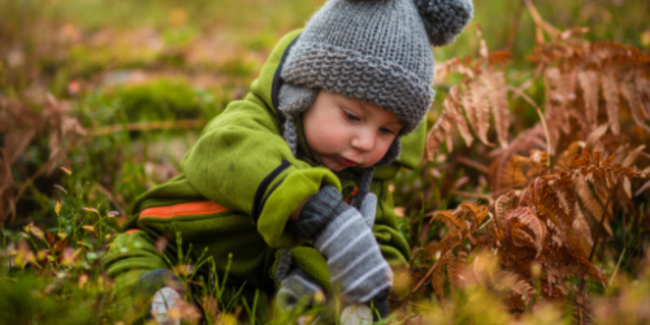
pixel 392 153
pixel 294 100
pixel 444 19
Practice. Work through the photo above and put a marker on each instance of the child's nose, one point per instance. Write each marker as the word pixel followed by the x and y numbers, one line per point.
pixel 364 140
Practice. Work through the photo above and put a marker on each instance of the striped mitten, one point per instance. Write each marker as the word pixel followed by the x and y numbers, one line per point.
pixel 342 235
pixel 298 289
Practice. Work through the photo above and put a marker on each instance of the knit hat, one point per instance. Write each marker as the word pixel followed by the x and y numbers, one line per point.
pixel 378 51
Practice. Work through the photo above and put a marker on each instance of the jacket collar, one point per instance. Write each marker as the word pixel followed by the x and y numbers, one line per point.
pixel 267 86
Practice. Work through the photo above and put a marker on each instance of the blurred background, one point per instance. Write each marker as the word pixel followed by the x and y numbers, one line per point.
pixel 95 44
pixel 100 100
pixel 124 62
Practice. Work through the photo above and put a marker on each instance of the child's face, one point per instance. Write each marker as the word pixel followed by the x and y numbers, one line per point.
pixel 343 132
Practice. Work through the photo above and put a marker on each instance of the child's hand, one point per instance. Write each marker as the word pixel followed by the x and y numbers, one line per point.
pixel 342 235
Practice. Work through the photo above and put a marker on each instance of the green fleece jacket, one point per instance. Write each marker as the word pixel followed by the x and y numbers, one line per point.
pixel 242 163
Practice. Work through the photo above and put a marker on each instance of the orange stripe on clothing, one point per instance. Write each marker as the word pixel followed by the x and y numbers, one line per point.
pixel 183 209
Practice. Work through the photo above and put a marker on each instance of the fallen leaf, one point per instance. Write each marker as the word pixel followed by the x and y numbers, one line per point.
pixel 35 231
pixel 90 210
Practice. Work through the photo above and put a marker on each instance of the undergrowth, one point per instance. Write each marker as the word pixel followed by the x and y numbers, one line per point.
pixel 542 216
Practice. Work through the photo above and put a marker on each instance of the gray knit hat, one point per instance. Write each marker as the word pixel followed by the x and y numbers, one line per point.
pixel 378 51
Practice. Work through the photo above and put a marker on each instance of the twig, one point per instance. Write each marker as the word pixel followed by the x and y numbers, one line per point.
pixel 486 223
pixel 602 220
pixel 422 281
pixel 418 305
pixel 540 22
pixel 600 226
pixel 473 164
pixel 541 118
pixel 514 26
pixel 620 259
pixel 24 186
pixel 112 198
pixel 145 126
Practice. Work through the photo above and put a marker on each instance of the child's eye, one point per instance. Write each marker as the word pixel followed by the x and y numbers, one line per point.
pixel 386 131
pixel 351 116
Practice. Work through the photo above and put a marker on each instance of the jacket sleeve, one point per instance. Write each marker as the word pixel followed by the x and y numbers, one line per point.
pixel 392 243
pixel 242 162
pixel 130 256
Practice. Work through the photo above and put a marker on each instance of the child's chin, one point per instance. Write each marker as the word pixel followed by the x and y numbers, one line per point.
pixel 336 168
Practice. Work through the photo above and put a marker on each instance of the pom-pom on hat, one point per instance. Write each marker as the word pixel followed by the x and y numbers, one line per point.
pixel 378 51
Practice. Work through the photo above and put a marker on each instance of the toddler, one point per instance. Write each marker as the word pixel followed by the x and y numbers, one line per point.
pixel 285 193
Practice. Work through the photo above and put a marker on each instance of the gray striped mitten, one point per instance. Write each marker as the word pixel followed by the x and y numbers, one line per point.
pixel 342 235
pixel 297 289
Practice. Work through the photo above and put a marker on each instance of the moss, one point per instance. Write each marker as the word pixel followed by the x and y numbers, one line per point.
pixel 165 99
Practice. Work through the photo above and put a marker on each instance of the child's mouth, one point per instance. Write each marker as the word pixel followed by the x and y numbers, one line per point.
pixel 347 162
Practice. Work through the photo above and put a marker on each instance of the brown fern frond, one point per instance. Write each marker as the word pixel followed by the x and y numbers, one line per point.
pixel 519 170
pixel 451 116
pixel 579 235
pixel 433 250
pixel 448 267
pixel 438 281
pixel 497 94
pixel 588 199
pixel 457 116
pixel 440 132
pixel 550 206
pixel 593 142
pixel 610 93
pixel 526 141
pixel 564 192
pixel 589 82
pixel 477 108
pixel 639 114
pixel 450 218
pixel 513 174
pixel 592 167
pixel 503 205
pixel 580 267
pixel 477 212
pixel 561 92
pixel 631 157
pixel 496 57
pixel 643 91
pixel 452 239
pixel 564 161
pixel 454 268
pixel 524 232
